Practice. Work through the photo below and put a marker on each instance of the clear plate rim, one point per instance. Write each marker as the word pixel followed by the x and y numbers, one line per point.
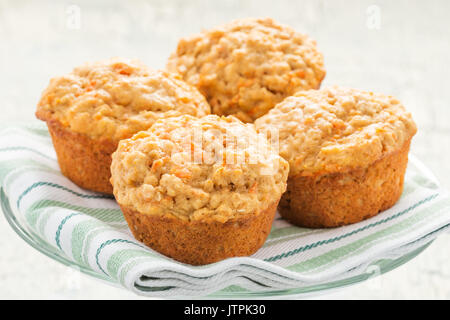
pixel 52 253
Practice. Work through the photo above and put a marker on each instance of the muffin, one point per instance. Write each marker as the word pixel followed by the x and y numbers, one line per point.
pixel 89 110
pixel 199 190
pixel 247 66
pixel 347 150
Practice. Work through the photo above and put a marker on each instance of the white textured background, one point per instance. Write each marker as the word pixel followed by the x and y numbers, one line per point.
pixel 396 47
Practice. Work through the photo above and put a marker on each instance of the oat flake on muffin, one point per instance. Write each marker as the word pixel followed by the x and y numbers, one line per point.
pixel 247 66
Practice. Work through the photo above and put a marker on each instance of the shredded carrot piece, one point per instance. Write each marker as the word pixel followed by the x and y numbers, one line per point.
pixel 156 165
pixel 253 188
pixel 182 173
pixel 301 74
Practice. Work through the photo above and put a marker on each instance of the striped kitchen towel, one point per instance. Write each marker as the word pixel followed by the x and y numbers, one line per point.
pixel 87 230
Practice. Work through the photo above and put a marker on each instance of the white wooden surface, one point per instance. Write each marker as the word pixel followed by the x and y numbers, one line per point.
pixel 396 47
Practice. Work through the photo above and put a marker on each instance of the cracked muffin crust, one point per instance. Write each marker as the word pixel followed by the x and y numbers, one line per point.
pixel 209 168
pixel 213 180
pixel 90 109
pixel 347 151
pixel 337 129
pixel 247 66
pixel 116 98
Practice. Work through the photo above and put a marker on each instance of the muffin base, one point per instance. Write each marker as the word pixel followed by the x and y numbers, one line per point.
pixel 83 160
pixel 201 242
pixel 338 199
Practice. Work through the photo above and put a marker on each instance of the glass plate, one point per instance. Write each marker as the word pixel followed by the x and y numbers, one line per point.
pixel 384 266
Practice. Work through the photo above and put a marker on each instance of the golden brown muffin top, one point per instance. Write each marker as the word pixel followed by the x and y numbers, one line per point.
pixel 116 98
pixel 337 129
pixel 212 168
pixel 247 66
